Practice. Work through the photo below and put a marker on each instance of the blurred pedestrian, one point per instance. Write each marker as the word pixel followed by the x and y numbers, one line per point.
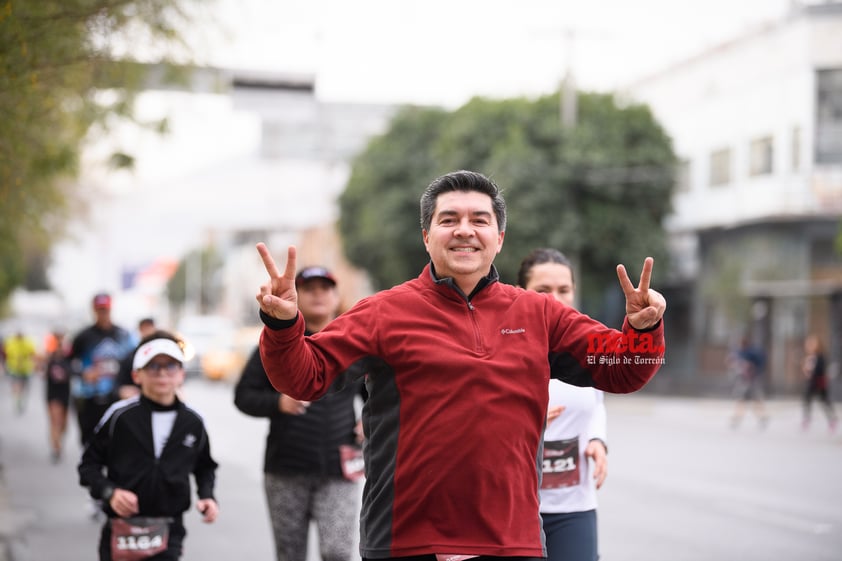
pixel 57 374
pixel 747 363
pixel 303 465
pixel 575 461
pixel 140 458
pixel 814 369
pixel 126 387
pixel 21 356
pixel 96 353
pixel 457 372
pixel 2 356
pixel 52 342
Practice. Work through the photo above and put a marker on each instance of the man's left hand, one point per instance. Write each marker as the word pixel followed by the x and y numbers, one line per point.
pixel 644 306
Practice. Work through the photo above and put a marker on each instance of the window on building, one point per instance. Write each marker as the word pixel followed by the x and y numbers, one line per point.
pixel 720 167
pixel 796 148
pixel 760 156
pixel 829 116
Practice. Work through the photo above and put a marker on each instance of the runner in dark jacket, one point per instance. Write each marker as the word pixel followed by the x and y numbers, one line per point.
pixel 95 355
pixel 304 478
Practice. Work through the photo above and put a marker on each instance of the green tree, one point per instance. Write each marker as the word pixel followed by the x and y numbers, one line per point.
pixel 599 191
pixel 57 59
pixel 385 178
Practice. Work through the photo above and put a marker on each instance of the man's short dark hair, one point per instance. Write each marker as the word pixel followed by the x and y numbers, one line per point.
pixel 462 181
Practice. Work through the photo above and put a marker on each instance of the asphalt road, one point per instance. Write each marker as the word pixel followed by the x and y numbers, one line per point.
pixel 682 485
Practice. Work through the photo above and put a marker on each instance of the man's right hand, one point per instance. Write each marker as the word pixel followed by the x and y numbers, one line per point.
pixel 278 297
pixel 292 406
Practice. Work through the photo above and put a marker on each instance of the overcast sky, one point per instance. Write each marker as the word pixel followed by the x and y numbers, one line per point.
pixel 445 51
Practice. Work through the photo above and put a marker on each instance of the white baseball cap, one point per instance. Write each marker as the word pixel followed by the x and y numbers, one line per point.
pixel 155 347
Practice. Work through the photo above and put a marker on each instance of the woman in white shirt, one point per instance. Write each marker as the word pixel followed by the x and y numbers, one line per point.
pixel 574 464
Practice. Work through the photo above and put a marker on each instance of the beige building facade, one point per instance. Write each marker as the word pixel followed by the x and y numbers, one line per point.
pixel 757 125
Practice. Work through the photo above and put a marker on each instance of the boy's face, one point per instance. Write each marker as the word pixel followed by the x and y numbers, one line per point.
pixel 160 379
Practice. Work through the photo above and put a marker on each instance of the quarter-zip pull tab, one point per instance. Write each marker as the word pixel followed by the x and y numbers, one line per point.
pixel 470 306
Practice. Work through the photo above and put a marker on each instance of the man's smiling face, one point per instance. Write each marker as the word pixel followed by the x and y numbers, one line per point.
pixel 464 238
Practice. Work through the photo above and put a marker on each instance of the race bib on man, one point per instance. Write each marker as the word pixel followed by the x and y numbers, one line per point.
pixel 561 464
pixel 139 537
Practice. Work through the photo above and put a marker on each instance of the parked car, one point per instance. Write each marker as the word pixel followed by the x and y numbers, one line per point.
pixel 228 363
pixel 215 347
pixel 206 338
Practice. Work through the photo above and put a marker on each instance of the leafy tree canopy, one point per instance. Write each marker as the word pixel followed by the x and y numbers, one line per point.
pixel 598 191
pixel 56 59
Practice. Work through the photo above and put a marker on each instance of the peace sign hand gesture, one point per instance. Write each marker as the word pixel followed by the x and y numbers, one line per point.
pixel 278 297
pixel 644 306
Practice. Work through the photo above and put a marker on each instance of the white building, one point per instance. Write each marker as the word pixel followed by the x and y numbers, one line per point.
pixel 247 157
pixel 757 123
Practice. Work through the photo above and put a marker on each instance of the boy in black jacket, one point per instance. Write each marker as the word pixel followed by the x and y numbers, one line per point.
pixel 140 458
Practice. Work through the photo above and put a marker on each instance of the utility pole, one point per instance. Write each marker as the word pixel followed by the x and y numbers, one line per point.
pixel 567 90
pixel 193 282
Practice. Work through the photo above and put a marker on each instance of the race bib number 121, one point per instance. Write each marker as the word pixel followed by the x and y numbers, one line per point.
pixel 561 464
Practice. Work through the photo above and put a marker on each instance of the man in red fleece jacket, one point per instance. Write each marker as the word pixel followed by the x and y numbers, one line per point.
pixel 457 370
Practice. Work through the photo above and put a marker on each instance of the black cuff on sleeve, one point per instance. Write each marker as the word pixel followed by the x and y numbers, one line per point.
pixel 648 329
pixel 275 323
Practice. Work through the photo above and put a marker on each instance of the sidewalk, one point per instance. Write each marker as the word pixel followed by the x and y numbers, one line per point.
pixel 7 522
pixel 42 506
pixel 13 521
